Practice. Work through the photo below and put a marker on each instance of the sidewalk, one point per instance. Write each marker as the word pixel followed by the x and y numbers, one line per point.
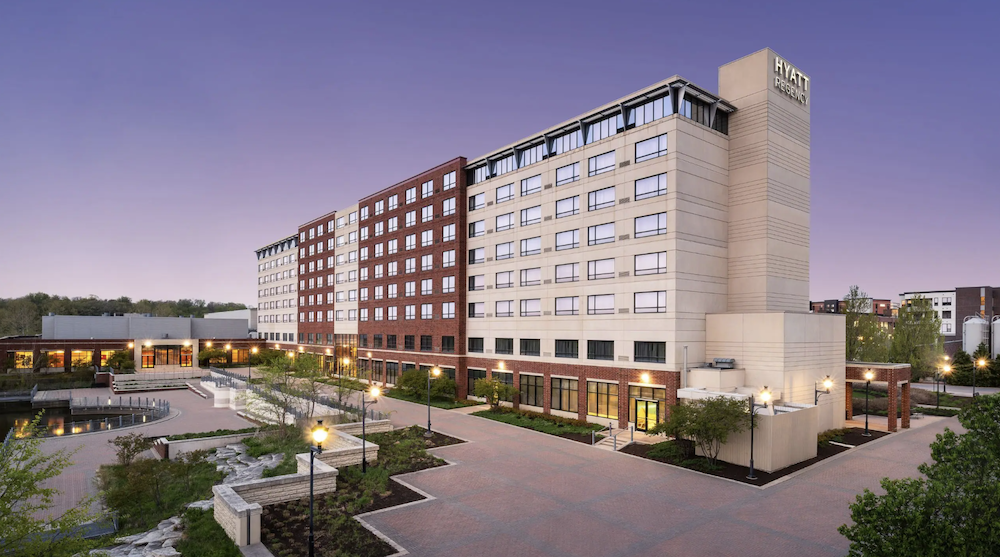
pixel 957 390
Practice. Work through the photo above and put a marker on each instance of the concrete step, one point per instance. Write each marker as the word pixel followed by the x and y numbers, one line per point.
pixel 608 443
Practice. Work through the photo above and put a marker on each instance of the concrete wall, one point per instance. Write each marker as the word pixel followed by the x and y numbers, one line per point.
pixel 371 426
pixel 219 328
pixel 57 327
pixel 174 449
pixel 779 440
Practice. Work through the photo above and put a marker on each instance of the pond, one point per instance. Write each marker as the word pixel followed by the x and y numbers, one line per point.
pixel 57 421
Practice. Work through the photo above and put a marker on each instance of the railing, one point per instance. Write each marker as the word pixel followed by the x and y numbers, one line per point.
pixel 229 374
pixel 10 396
pixel 153 407
pixel 593 434
pixel 155 375
pixel 224 381
pixel 6 440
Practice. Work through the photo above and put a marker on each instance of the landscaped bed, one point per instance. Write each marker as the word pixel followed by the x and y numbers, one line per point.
pixel 285 526
pixel 577 430
pixel 437 403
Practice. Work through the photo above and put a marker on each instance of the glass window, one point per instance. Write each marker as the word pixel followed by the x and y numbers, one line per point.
pixel 379 228
pixel 476 345
pixel 448 258
pixel 651 263
pixel 411 194
pixel 426 287
pixel 531 155
pixel 447 285
pixel 477 309
pixel 504 165
pixel 505 308
pixel 427 311
pixel 650 111
pixel 393 246
pixel 426 343
pixel 379 207
pixel 449 181
pixel 565 392
pixel 532 386
pixel 568 207
pixel 604 128
pixel 427 213
pixel 531 277
pixel 531 185
pixel 364 233
pixel 477 282
pixel 601 234
pixel 505 222
pixel 651 148
pixel 393 224
pixel 505 193
pixel 567 174
pixel 427 189
pixel 411 265
pixel 477 255
pixel 651 302
pixel 505 279
pixel 569 305
pixel 427 238
pixel 601 269
pixel 568 272
pixel 568 239
pixel 393 202
pixel 531 246
pixel 474 374
pixel 601 304
pixel 477 201
pixel 651 187
pixel 477 228
pixel 566 142
pixel 601 164
pixel 379 251
pixel 411 218
pixel 364 213
pixel 410 312
pixel 651 352
pixel 651 225
pixel 447 310
pixel 392 269
pixel 601 199
pixel 411 241
pixel 602 399
pixel 426 262
pixel 504 250
pixel 448 207
pixel 531 215
pixel 504 346
pixel 531 307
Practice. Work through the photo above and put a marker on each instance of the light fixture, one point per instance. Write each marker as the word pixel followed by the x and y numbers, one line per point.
pixel 208 344
pixel 276 346
pixel 375 392
pixel 500 365
pixel 301 349
pixel 187 343
pixel 253 350
pixel 827 383
pixel 869 375
pixel 946 369
pixel 130 345
pixel 327 351
pixel 369 354
pixel 765 395
pixel 436 371
pixel 644 378
pixel 148 344
pixel 319 434
pixel 981 362
pixel 229 347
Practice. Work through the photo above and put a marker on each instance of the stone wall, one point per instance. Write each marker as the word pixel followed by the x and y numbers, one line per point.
pixel 372 426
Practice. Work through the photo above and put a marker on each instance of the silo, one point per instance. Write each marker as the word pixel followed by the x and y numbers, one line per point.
pixel 973 332
pixel 996 336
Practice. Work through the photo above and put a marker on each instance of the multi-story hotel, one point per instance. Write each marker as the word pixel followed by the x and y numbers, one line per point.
pixel 276 273
pixel 598 264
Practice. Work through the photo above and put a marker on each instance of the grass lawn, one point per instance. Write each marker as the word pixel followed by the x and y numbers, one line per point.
pixel 204 537
pixel 578 430
pixel 445 404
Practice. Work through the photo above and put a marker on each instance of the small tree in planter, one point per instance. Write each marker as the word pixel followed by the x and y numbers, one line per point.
pixel 708 422
pixel 494 391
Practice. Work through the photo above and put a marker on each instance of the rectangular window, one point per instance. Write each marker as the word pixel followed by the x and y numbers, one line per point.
pixel 601 164
pixel 411 218
pixel 651 148
pixel 448 344
pixel 477 201
pixel 391 314
pixel 505 193
pixel 568 239
pixel 565 392
pixel 448 258
pixel 531 185
pixel 651 187
pixel 532 386
pixel 505 308
pixel 411 241
pixel 391 290
pixel 531 307
pixel 426 343
pixel 410 312
pixel 505 222
pixel 379 313
pixel 650 111
pixel 426 287
pixel 449 181
pixel 379 207
pixel 604 128
pixel 427 311
pixel 411 289
pixel 601 199
pixel 477 255
pixel 474 374
pixel 651 225
pixel 531 215
pixel 476 345
pixel 601 234
pixel 447 310
pixel 393 246
pixel 602 399
pixel 600 304
pixel 531 277
pixel 427 213
pixel 378 341
pixel 531 155
pixel 567 174
pixel 601 269
pixel 504 165
pixel 379 229
pixel 390 342
pixel 651 302
pixel 448 233
pixel 411 194
pixel 411 265
pixel 477 309
pixel 393 202
pixel 567 142
pixel 504 346
pixel 364 253
pixel 651 263
pixel 531 246
pixel 477 228
pixel 568 207
pixel 379 251
pixel 426 238
pixel 504 251
pixel 569 305
pixel 364 213
pixel 448 207
pixel 505 279
pixel 427 189
pixel 393 224
pixel 364 233
pixel 651 352
pixel 567 348
pixel 477 282
pixel 480 174
pixel 568 272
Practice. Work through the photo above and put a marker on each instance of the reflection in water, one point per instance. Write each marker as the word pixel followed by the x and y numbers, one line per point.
pixel 56 421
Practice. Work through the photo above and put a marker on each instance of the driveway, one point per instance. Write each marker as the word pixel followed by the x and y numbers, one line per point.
pixel 517 492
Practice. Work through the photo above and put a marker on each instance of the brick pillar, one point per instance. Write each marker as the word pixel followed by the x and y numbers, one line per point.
pixel 547 394
pixel 623 399
pixel 849 397
pixel 672 381
pixel 893 393
pixel 517 385
pixel 906 406
pixel 581 399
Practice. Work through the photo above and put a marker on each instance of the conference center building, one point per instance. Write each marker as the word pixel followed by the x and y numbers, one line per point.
pixel 600 265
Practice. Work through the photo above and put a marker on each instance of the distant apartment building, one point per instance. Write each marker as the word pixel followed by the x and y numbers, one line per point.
pixel 880 307
pixel 956 307
pixel 276 291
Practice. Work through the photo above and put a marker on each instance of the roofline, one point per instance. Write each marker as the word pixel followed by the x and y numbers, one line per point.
pixel 272 244
pixel 401 182
pixel 327 216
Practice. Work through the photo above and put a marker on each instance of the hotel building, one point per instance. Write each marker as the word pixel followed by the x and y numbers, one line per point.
pixel 599 264
pixel 276 287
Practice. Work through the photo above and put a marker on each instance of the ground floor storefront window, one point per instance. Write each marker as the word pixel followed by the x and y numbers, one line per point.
pixel 391 372
pixel 23 359
pixel 56 358
pixel 532 389
pixel 507 378
pixel 473 375
pixel 602 399
pixel 647 406
pixel 565 394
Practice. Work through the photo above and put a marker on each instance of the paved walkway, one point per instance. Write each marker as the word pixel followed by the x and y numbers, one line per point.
pixel 958 390
pixel 189 413
pixel 517 492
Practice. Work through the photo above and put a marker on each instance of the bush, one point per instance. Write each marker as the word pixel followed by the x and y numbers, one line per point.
pixel 219 433
pixel 494 391
pixel 708 422
pixel 545 423
pixel 128 447
pixel 824 438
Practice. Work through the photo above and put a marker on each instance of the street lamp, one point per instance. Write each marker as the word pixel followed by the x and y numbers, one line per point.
pixel 374 392
pixel 765 396
pixel 869 375
pixel 980 363
pixel 435 372
pixel 827 385
pixel 252 351
pixel 943 382
pixel 318 436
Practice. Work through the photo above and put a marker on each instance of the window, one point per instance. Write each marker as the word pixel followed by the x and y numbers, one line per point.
pixel 390 342
pixel 427 213
pixel 411 289
pixel 448 233
pixel 601 199
pixel 393 246
pixel 393 202
pixel 531 215
pixel 427 311
pixel 604 128
pixel 410 312
pixel 568 207
pixel 352 276
pixel 531 246
pixel 364 294
pixel 448 345
pixel 477 255
pixel 504 346
pixel 426 343
pixel 567 174
pixel 601 269
pixel 391 290
pixel 378 341
pixel 600 304
pixel 651 187
pixel 651 352
pixel 449 181
pixel 565 392
pixel 392 313
pixel 411 218
pixel 477 282
pixel 448 258
pixel 364 253
pixel 650 111
pixel 567 348
pixel 531 307
pixel 505 222
pixel 568 272
pixel 532 386
pixel 601 234
pixel 531 185
pixel 651 302
pixel 427 189
pixel 411 265
pixel 601 164
pixel 946 314
pixel 505 308
pixel 378 292
pixel 411 241
pixel 602 399
pixel 569 305
pixel 379 313
pixel 393 224
pixel 567 142
pixel 531 277
pixel 426 238
pixel 476 344
pixel 477 201
pixel 448 207
pixel 479 174
pixel 651 148
pixel 505 193
pixel 447 310
pixel 378 270
pixel 379 250
pixel 651 263
pixel 411 194
pixel 364 213
pixel 364 314
pixel 477 228
pixel 651 225
pixel 426 287
pixel 379 207
pixel 379 229
pixel 364 233
pixel 392 269
pixel 568 239
pixel 504 250
pixel 477 309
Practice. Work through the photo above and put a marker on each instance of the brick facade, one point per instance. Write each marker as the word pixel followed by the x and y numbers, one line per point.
pixel 320 270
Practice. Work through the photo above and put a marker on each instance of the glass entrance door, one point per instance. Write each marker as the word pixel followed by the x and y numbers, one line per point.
pixel 646 412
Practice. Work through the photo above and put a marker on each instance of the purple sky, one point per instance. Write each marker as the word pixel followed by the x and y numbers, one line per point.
pixel 146 149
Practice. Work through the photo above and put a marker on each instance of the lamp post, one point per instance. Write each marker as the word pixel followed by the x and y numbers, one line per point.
pixel 375 392
pixel 252 352
pixel 944 383
pixel 827 385
pixel 229 353
pixel 318 436
pixel 980 363
pixel 765 396
pixel 869 375
pixel 435 372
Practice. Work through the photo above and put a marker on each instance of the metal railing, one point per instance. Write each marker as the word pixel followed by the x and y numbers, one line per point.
pixel 7 439
pixel 593 434
pixel 153 407
pixel 11 396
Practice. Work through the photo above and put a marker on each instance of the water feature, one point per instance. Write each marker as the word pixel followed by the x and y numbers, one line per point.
pixel 57 420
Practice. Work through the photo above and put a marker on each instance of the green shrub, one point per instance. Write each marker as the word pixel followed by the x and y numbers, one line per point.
pixel 545 423
pixel 218 433
pixel 824 438
pixel 204 537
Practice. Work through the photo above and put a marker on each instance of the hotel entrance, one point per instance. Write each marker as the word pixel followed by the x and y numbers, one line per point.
pixel 646 414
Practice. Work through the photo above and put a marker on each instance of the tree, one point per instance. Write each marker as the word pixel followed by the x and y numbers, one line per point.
pixel 24 468
pixel 279 397
pixel 212 356
pixel 128 447
pixel 867 339
pixel 961 369
pixel 20 317
pixel 954 511
pixel 308 367
pixel 916 337
pixel 708 422
pixel 121 360
pixel 494 391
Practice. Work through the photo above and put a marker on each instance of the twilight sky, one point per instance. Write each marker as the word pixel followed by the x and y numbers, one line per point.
pixel 146 149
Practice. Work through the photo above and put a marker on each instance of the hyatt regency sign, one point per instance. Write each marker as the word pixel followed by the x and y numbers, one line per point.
pixel 790 81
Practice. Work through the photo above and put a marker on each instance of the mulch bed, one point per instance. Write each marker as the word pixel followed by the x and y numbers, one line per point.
pixel 580 437
pixel 853 436
pixel 739 473
pixel 440 440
